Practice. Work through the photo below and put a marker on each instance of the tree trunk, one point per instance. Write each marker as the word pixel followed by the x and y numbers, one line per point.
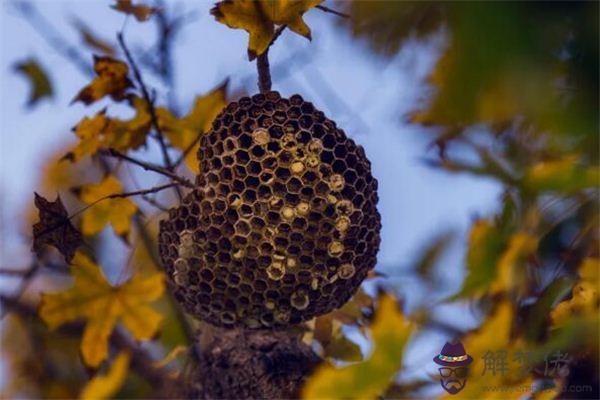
pixel 248 364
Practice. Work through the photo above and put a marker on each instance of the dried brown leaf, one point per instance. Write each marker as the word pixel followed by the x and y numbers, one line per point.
pixel 55 228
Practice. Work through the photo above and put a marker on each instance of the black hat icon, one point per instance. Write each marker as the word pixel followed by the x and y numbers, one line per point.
pixel 453 355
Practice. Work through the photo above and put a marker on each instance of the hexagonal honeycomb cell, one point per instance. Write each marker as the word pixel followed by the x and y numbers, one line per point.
pixel 283 223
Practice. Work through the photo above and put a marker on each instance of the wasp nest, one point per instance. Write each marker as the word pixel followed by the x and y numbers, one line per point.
pixel 282 225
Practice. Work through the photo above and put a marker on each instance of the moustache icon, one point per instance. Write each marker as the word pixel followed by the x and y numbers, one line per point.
pixel 452 382
pixel 452 386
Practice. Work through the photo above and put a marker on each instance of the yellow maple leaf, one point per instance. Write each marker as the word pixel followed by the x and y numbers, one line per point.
pixel 117 212
pixel 585 299
pixel 91 133
pixel 101 131
pixel 131 134
pixel 106 386
pixel 102 305
pixel 366 380
pixel 58 174
pixel 182 132
pixel 259 18
pixel 111 80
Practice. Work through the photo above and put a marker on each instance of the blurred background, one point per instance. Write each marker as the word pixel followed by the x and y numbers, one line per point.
pixel 462 109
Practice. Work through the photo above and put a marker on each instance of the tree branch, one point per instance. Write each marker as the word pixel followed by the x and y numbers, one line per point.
pixel 264 74
pixel 262 64
pixel 149 101
pixel 141 192
pixel 149 167
pixel 15 271
pixel 154 203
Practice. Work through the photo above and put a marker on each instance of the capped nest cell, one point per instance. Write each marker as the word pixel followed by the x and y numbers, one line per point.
pixel 282 225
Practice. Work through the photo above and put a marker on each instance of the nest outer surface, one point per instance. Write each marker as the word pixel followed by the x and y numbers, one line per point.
pixel 283 223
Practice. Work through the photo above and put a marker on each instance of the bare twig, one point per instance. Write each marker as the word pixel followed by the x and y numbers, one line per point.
pixel 141 192
pixel 22 285
pixel 166 34
pixel 154 203
pixel 121 196
pixel 150 105
pixel 149 167
pixel 14 271
pixel 147 198
pixel 148 98
pixel 332 11
pixel 110 196
pixel 169 21
pixel 168 27
pixel 149 101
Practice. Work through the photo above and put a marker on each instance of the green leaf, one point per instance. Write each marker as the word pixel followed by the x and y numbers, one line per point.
pixel 485 246
pixel 537 315
pixel 367 380
pixel 41 87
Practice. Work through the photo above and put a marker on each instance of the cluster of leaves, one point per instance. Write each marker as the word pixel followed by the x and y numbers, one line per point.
pixel 389 332
pixel 515 88
pixel 109 318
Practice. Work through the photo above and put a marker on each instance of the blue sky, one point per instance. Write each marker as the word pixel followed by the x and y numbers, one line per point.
pixel 367 95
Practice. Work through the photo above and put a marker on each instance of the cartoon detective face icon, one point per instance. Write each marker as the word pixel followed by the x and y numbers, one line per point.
pixel 453 361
